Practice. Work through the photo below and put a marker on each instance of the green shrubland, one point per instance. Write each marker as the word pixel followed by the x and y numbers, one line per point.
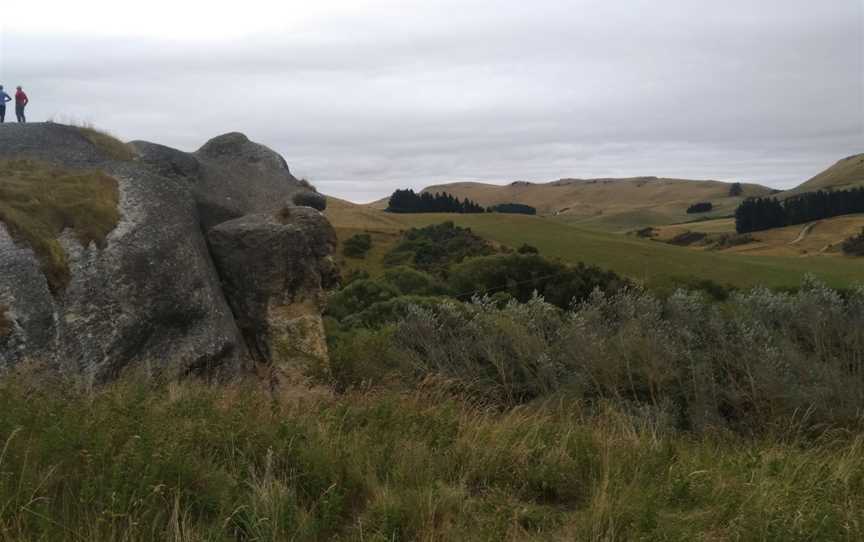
pixel 39 201
pixel 435 247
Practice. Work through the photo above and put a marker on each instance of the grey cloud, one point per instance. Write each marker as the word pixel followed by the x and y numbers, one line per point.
pixel 768 91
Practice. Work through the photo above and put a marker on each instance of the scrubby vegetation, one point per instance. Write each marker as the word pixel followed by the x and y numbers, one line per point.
pixel 702 207
pixel 525 248
pixel 513 208
pixel 646 233
pixel 521 276
pixel 759 360
pixel 854 246
pixel 39 201
pixel 407 201
pixel 729 240
pixel 757 214
pixel 688 238
pixel 628 417
pixel 357 245
pixel 434 248
pixel 109 145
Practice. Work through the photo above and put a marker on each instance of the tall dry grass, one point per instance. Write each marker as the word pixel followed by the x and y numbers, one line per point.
pixel 138 461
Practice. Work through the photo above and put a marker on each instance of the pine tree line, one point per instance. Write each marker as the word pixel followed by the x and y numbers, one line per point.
pixel 755 214
pixel 408 201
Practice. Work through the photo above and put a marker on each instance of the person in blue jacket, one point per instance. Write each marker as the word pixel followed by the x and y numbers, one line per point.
pixel 3 99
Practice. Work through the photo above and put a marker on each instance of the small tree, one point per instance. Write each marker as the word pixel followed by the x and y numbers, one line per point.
pixel 854 246
pixel 701 207
pixel 357 245
pixel 735 190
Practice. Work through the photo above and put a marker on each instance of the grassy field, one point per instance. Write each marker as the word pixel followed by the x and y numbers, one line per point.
pixel 652 262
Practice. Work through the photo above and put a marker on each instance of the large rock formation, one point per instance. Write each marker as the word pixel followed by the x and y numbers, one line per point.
pixel 160 291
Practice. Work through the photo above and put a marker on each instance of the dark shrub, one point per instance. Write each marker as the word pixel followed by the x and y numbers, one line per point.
pixel 854 246
pixel 434 248
pixel 390 311
pixel 413 282
pixel 729 240
pixel 527 249
pixel 354 274
pixel 645 233
pixel 687 238
pixel 513 208
pixel 358 296
pixel 357 245
pixel 735 190
pixel 523 275
pixel 702 207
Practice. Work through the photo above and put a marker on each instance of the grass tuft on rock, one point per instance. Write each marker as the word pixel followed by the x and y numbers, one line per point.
pixel 112 147
pixel 39 201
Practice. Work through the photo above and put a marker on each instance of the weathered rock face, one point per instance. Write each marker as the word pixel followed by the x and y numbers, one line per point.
pixel 275 268
pixel 153 296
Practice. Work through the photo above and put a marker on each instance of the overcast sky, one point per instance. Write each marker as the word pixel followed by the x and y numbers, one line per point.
pixel 364 96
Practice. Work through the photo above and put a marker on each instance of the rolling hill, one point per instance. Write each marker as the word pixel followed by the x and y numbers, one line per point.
pixel 651 262
pixel 611 204
pixel 625 204
pixel 846 173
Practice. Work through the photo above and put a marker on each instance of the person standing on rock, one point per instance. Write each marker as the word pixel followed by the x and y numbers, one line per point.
pixel 3 99
pixel 21 101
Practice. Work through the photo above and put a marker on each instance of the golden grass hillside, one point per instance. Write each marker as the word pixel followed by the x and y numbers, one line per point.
pixel 820 238
pixel 610 204
pixel 39 201
pixel 845 173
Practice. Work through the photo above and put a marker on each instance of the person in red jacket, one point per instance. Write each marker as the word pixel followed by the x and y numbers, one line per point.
pixel 21 101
